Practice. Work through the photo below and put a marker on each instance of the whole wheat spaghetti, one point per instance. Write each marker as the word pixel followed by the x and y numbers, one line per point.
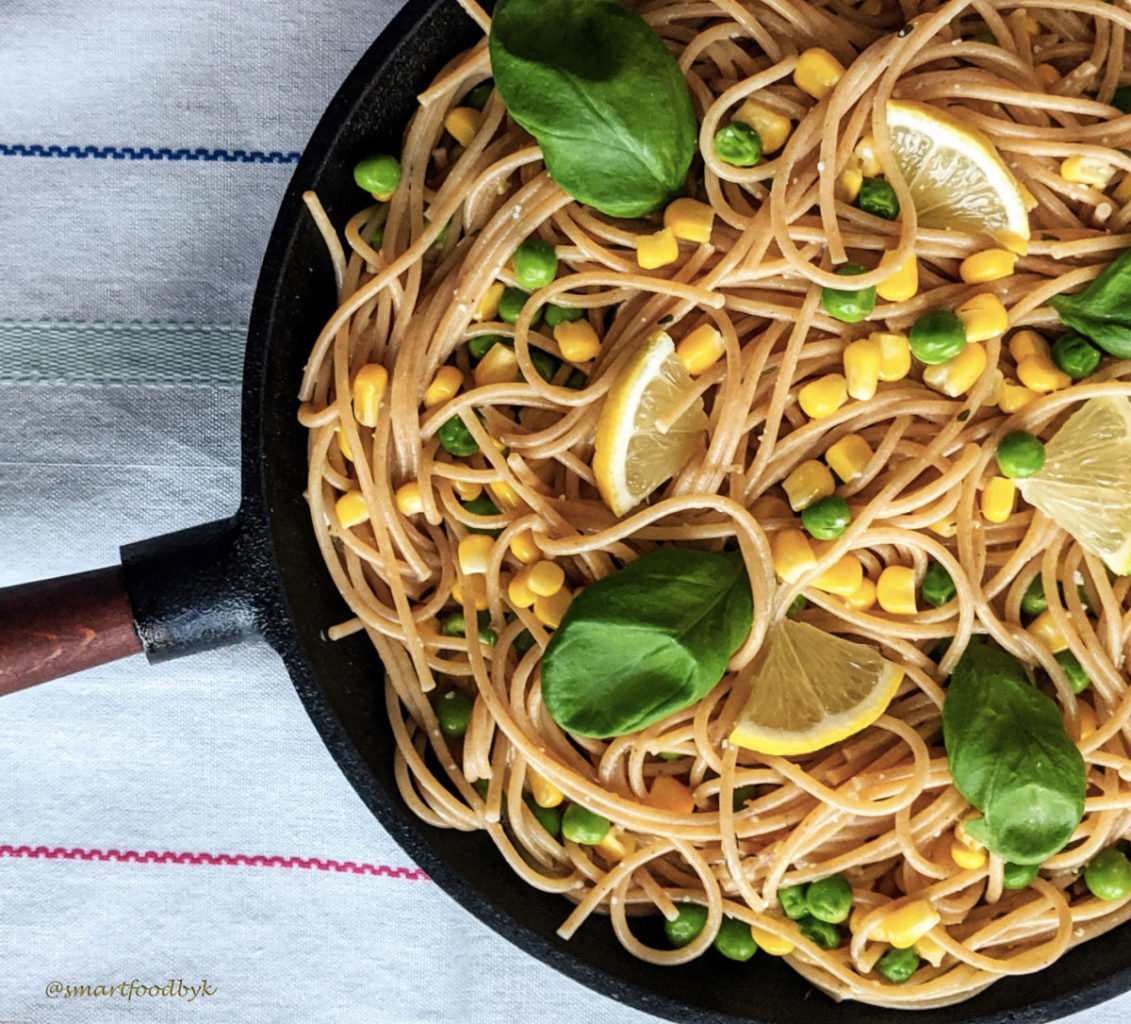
pixel 417 274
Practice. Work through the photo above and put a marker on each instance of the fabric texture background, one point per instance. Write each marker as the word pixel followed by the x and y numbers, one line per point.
pixel 184 823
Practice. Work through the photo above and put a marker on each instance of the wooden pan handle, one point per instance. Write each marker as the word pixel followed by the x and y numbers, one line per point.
pixel 54 627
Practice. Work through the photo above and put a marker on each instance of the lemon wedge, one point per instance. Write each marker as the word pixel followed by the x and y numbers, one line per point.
pixel 957 179
pixel 1085 483
pixel 813 689
pixel 635 450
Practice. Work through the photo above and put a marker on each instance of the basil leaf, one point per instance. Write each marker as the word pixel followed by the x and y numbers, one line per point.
pixel 603 96
pixel 646 641
pixel 1010 757
pixel 1102 311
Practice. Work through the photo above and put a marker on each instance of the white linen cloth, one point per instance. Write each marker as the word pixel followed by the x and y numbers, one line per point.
pixel 183 824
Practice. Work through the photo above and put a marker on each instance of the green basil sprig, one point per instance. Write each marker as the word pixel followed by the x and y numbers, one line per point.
pixel 646 641
pixel 1010 757
pixel 603 96
pixel 1102 311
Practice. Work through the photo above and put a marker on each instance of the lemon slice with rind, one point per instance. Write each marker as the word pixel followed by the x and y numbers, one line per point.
pixel 1085 483
pixel 635 449
pixel 956 177
pixel 813 689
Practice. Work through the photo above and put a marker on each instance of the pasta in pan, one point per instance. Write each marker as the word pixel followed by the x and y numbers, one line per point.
pixel 478 415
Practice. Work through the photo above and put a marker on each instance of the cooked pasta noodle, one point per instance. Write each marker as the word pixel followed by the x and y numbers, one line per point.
pixel 880 806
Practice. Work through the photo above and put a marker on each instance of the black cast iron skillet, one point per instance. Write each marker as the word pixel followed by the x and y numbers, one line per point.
pixel 260 574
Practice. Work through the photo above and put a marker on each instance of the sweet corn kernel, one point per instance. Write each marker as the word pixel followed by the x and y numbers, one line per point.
pixel 849 456
pixel 1047 75
pixel 1044 629
pixel 408 499
pixel 902 283
pixel 817 72
pixel 498 366
pixel 506 497
pixel 849 182
pixel 546 578
pixel 1014 397
pixel 475 552
pixel 549 610
pixel 772 128
pixel 906 925
pixel 988 265
pixel 468 490
pixel 445 385
pixel 947 526
pixel 524 547
pixel 822 397
pixel 488 306
pixel 1086 716
pixel 1087 170
pixel 518 590
pixel 657 250
pixel 770 942
pixel 931 950
pixel 545 793
pixel 1012 240
pixel 997 499
pixel 862 359
pixel 477 584
pixel 352 509
pixel 983 316
pixel 968 860
pixel 808 482
pixel 863 597
pixel 958 375
pixel 792 554
pixel 616 845
pixel 1122 193
pixel 1027 342
pixel 1041 374
pixel 669 794
pixel 577 340
pixel 689 219
pixel 865 152
pixel 895 590
pixel 462 123
pixel 701 349
pixel 843 577
pixel 368 389
pixel 770 506
pixel 895 355
pixel 343 444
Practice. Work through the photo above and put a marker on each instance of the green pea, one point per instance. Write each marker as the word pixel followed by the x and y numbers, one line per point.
pixel 819 932
pixel 478 95
pixel 849 305
pixel 983 37
pixel 544 363
pixel 897 965
pixel 797 605
pixel 454 625
pixel 453 712
pixel 1020 454
pixel 481 344
pixel 829 899
pixel 1033 601
pixel 878 198
pixel 740 796
pixel 687 925
pixel 938 335
pixel 1073 669
pixel 738 144
pixel 1075 355
pixel 792 900
pixel 456 438
pixel 480 786
pixel 378 174
pixel 576 379
pixel 550 818
pixel 535 264
pixel 554 315
pixel 511 303
pixel 735 940
pixel 581 825
pixel 937 587
pixel 1122 99
pixel 377 237
pixel 1108 875
pixel 1017 876
pixel 827 518
pixel 481 506
pixel 523 642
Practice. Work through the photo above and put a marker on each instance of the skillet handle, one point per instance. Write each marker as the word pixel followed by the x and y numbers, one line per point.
pixel 174 595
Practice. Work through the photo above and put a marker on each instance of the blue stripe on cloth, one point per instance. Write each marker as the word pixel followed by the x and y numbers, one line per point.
pixel 122 353
pixel 241 156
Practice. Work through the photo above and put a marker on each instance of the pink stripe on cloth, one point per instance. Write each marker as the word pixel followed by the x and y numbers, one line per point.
pixel 256 860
